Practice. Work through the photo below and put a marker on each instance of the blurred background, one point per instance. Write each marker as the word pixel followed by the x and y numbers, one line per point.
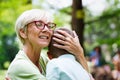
pixel 96 22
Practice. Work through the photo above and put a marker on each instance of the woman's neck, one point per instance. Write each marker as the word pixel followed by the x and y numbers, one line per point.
pixel 33 54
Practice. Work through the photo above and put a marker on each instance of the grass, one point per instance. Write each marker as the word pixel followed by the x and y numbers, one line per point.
pixel 2 74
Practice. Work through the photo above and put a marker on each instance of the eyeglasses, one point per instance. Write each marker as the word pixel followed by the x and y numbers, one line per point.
pixel 41 25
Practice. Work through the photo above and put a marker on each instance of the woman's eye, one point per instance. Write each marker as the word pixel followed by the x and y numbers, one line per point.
pixel 39 24
pixel 51 25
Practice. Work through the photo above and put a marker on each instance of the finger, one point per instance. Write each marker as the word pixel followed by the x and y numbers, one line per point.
pixel 59 36
pixel 75 34
pixel 64 33
pixel 67 48
pixel 61 46
pixel 68 39
pixel 60 41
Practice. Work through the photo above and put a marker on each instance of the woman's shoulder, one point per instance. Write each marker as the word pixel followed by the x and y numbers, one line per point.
pixel 22 66
pixel 23 69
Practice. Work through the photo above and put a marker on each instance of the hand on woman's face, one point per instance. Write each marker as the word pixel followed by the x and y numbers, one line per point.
pixel 38 37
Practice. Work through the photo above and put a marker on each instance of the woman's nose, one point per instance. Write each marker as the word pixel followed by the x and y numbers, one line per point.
pixel 45 28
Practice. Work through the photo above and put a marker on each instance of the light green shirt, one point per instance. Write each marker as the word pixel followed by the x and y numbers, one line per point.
pixel 22 68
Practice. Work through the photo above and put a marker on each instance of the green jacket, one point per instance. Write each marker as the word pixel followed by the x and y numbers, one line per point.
pixel 22 68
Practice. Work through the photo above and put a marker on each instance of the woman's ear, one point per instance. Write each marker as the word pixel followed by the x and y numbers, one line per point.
pixel 23 33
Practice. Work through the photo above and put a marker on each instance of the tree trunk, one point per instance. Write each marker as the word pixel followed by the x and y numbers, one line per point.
pixel 78 19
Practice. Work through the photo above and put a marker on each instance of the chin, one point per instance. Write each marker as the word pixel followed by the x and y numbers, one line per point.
pixel 44 44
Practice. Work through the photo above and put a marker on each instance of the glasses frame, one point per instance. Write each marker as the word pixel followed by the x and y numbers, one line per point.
pixel 44 24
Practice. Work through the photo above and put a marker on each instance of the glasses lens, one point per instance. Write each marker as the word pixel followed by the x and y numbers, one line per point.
pixel 39 24
pixel 51 25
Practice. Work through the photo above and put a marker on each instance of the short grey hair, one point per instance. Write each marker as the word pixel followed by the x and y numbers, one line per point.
pixel 29 16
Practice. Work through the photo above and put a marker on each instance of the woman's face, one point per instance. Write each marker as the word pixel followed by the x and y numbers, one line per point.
pixel 39 34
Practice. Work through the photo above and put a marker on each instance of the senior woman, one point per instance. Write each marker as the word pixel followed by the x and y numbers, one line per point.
pixel 34 29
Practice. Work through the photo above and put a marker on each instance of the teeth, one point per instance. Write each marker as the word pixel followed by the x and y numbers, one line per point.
pixel 43 37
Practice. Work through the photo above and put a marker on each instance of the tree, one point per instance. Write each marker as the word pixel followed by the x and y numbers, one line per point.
pixel 78 19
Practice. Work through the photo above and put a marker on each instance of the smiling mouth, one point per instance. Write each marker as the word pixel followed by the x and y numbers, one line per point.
pixel 43 37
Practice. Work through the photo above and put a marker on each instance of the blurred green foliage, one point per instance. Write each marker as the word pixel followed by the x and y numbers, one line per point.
pixel 9 11
pixel 104 28
pixel 2 74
